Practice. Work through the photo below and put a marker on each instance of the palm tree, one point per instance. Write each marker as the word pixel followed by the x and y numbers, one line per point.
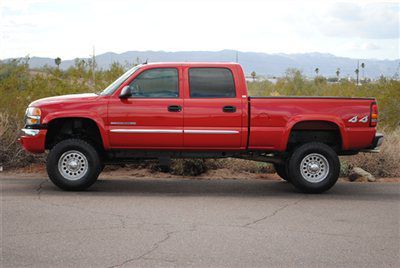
pixel 362 67
pixel 316 70
pixel 357 71
pixel 57 62
pixel 337 73
pixel 253 75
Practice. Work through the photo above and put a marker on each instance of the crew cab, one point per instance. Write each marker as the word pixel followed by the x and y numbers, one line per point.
pixel 182 110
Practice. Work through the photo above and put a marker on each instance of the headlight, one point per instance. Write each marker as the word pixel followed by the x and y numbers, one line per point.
pixel 32 116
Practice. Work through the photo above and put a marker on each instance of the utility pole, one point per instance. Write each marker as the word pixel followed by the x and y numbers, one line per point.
pixel 94 68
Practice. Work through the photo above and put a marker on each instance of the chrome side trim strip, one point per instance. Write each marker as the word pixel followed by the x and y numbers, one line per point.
pixel 122 123
pixel 175 131
pixel 146 130
pixel 201 131
pixel 30 132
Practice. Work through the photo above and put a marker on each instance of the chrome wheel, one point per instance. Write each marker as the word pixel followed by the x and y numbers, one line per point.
pixel 314 168
pixel 73 165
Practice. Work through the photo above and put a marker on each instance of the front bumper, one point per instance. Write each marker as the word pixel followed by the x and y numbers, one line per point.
pixel 376 143
pixel 33 140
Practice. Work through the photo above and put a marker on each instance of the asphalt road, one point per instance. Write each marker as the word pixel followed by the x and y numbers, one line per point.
pixel 198 223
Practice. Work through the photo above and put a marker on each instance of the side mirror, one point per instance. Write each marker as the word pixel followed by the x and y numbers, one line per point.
pixel 125 93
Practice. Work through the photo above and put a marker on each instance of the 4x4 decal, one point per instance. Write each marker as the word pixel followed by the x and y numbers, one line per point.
pixel 354 119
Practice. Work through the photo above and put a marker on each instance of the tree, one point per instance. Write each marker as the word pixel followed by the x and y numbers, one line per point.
pixel 57 61
pixel 253 75
pixel 362 67
pixel 357 71
pixel 316 70
pixel 338 73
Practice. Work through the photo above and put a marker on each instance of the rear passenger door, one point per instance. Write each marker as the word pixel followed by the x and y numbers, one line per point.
pixel 212 109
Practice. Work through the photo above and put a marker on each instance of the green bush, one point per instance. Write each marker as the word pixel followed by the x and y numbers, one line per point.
pixel 188 167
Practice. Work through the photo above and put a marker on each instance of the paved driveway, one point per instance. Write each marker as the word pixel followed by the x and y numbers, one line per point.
pixel 198 223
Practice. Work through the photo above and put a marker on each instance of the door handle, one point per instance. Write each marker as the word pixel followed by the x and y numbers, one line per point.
pixel 174 108
pixel 229 109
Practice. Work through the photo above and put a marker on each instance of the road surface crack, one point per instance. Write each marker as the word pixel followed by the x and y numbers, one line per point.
pixel 155 246
pixel 273 213
pixel 122 221
pixel 39 189
pixel 157 259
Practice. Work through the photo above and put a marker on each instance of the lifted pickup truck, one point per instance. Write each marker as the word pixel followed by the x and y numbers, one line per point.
pixel 183 110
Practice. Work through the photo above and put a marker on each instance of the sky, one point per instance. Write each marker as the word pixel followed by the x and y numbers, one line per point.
pixel 69 29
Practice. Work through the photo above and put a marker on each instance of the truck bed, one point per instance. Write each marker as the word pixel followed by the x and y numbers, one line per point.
pixel 272 118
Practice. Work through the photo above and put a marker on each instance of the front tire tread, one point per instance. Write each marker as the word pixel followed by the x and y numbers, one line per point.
pixel 94 163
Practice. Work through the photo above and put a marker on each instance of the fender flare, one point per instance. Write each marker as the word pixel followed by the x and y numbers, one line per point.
pixel 81 114
pixel 303 118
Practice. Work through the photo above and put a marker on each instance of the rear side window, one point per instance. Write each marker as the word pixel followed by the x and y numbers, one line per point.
pixel 156 83
pixel 211 83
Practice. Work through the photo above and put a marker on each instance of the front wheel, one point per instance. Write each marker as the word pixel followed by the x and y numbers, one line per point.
pixel 314 167
pixel 73 165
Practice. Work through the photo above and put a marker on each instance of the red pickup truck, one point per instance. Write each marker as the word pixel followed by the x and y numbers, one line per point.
pixel 182 110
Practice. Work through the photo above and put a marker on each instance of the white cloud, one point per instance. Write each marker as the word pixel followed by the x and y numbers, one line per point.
pixel 361 46
pixel 370 46
pixel 371 20
pixel 70 28
pixel 20 5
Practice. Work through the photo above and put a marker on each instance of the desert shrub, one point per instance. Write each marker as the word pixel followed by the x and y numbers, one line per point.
pixel 11 153
pixel 345 167
pixel 188 167
pixel 383 164
pixel 240 165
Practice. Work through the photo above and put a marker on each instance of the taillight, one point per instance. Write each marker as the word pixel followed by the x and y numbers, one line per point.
pixel 374 115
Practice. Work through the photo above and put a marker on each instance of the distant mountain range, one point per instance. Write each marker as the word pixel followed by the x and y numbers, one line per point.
pixel 262 63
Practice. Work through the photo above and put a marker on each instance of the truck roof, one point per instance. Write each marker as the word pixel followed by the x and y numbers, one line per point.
pixel 199 64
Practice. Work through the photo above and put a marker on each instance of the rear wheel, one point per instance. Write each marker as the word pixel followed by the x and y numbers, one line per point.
pixel 73 165
pixel 314 167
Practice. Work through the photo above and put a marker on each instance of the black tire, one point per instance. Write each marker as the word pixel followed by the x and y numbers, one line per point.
pixel 89 174
pixel 281 170
pixel 319 173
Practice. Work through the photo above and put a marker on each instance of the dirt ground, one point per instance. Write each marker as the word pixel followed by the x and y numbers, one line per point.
pixel 35 170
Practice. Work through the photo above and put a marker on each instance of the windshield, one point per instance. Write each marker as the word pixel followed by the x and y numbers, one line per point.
pixel 115 85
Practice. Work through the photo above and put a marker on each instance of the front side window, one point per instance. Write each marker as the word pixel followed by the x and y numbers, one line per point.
pixel 156 83
pixel 211 83
pixel 115 85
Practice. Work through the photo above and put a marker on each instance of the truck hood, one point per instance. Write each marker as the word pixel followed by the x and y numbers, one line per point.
pixel 65 98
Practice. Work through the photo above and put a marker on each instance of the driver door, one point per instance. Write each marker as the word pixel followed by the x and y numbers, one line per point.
pixel 152 117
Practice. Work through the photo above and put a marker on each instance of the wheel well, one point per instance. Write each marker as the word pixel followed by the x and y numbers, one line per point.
pixel 315 131
pixel 64 128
